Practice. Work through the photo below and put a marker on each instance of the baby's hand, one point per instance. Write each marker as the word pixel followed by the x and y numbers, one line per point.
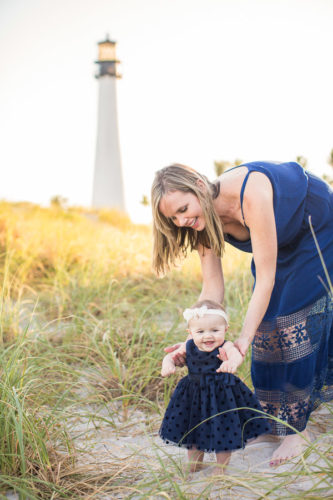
pixel 178 353
pixel 168 370
pixel 168 366
pixel 233 359
pixel 222 355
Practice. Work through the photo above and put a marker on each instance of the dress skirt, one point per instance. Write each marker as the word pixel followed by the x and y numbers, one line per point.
pixel 209 411
pixel 292 365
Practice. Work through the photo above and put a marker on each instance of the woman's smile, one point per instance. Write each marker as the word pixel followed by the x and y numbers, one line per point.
pixel 194 223
pixel 183 209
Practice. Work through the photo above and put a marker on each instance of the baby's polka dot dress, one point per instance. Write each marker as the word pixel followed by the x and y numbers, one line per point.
pixel 203 410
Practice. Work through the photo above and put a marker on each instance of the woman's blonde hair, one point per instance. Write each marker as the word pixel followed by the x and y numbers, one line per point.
pixel 172 242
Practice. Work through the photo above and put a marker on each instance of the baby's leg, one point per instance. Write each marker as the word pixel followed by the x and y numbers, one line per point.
pixel 195 458
pixel 222 460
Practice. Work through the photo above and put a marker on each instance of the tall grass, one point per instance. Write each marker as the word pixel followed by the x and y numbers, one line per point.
pixel 83 326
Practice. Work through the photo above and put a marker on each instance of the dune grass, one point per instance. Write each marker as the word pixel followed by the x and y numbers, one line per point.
pixel 83 324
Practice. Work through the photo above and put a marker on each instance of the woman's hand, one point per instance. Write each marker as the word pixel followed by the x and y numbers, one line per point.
pixel 242 344
pixel 230 366
pixel 231 357
pixel 179 353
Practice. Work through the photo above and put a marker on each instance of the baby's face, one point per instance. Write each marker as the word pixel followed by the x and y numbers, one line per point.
pixel 208 332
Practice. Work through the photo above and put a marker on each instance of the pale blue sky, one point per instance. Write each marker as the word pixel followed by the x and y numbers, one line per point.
pixel 203 80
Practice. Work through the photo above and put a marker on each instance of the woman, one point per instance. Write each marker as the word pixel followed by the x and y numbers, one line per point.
pixel 262 208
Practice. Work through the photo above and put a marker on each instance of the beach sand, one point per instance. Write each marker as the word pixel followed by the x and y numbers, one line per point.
pixel 129 447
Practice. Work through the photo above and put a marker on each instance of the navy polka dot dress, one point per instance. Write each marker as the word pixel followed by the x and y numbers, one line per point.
pixel 202 412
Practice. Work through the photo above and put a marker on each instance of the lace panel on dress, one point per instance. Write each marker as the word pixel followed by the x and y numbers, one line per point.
pixel 292 364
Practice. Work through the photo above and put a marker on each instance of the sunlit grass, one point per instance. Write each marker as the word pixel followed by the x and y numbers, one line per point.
pixel 83 326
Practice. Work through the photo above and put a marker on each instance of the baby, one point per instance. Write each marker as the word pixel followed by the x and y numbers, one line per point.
pixel 235 359
pixel 211 410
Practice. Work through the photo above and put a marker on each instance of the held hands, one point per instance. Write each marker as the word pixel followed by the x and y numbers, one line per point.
pixel 176 357
pixel 178 353
pixel 168 366
pixel 231 357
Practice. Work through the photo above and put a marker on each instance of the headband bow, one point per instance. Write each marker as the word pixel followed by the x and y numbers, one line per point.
pixel 200 312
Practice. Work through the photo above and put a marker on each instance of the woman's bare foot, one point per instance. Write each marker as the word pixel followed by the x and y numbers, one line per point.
pixel 290 447
pixel 263 438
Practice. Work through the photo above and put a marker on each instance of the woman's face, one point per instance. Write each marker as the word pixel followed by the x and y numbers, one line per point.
pixel 183 209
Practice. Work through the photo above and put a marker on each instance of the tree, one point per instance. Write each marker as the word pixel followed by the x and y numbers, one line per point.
pixel 58 201
pixel 302 161
pixel 327 177
pixel 330 158
pixel 223 165
pixel 145 200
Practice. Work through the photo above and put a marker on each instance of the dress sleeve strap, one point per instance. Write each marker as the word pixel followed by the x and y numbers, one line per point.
pixel 242 196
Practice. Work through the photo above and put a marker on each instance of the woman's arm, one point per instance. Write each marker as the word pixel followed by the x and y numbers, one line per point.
pixel 259 216
pixel 212 288
pixel 212 276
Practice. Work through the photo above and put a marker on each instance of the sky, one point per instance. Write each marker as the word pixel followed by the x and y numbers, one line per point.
pixel 203 81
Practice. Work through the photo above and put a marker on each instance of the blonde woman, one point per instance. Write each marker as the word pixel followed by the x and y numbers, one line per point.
pixel 262 208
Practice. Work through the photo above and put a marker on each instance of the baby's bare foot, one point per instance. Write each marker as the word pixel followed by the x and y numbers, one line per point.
pixel 222 460
pixel 290 447
pixel 218 470
pixel 193 467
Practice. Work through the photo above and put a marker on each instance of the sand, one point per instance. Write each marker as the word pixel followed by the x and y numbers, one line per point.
pixel 129 449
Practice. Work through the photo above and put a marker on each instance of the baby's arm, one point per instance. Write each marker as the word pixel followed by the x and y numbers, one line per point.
pixel 168 366
pixel 178 352
pixel 168 363
pixel 235 359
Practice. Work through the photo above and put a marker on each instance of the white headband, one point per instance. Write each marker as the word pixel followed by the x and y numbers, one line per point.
pixel 199 312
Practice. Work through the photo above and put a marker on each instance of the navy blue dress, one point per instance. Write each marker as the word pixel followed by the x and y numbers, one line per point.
pixel 202 412
pixel 292 352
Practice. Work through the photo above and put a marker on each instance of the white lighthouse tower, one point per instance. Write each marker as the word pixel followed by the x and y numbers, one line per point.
pixel 108 189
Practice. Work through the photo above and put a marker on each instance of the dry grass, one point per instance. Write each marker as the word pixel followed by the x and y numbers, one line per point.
pixel 82 329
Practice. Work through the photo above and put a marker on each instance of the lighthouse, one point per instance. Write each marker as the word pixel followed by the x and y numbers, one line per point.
pixel 108 188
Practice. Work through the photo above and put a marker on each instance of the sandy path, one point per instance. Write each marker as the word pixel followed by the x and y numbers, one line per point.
pixel 132 453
